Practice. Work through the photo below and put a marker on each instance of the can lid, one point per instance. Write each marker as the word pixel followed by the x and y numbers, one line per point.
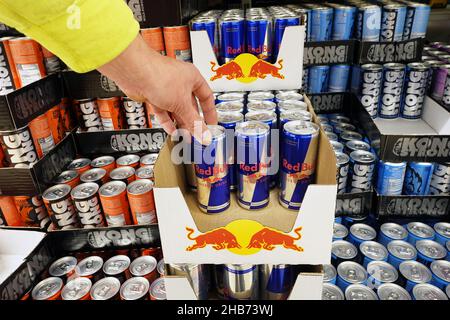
pixel 394 66
pixel 112 188
pixel 260 95
pixel 116 265
pixel 145 172
pixel 382 271
pixel 230 106
pixel 105 288
pixel 443 228
pixel 392 291
pixel 128 159
pixel 299 127
pixel 122 173
pixel 261 105
pixel 362 156
pixel 447 245
pixel 337 147
pixel 394 231
pixel 89 266
pixel 56 192
pixel 426 291
pixel 143 265
pixel 252 128
pixel 66 176
pixel 102 161
pixel 352 272
pixel 84 191
pixel 350 135
pixel 341 158
pixel 339 230
pixel 62 266
pixel 283 96
pixel 329 272
pixel 331 292
pixel 402 249
pixel 331 136
pixel 373 250
pixel 431 249
pixel 344 249
pixel 134 288
pixel 343 126
pixel 161 267
pixel 93 175
pixel 415 271
pixel 363 231
pixel 230 117
pixel 260 116
pixel 420 229
pixel 339 119
pixel 441 269
pixel 158 289
pixel 292 105
pixel 357 145
pixel 231 96
pixel 359 292
pixel 47 288
pixel 139 187
pixel 296 114
pixel 418 66
pixel 76 289
pixel 79 163
pixel 149 159
pixel 447 290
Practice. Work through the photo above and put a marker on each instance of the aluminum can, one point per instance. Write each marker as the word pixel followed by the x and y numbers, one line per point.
pixel 60 207
pixel 276 281
pixel 331 292
pixel 416 22
pixel 400 251
pixel 369 85
pixel 391 90
pixel 390 178
pixel 392 291
pixel 362 167
pixel 415 89
pixel 196 274
pixel 339 76
pixel 318 79
pixel 413 273
pixel 87 204
pixel 368 24
pixel 259 35
pixel 349 273
pixel 241 282
pixel 418 178
pixel 321 23
pixel 391 231
pixel 392 22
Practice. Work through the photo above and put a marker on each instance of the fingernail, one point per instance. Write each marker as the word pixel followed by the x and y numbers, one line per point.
pixel 206 137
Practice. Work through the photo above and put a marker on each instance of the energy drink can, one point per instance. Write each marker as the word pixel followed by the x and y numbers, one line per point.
pixel 196 274
pixel 232 37
pixel 391 231
pixel 392 291
pixel 260 96
pixel 136 288
pixel 287 105
pixel 347 136
pixel 142 202
pixel 337 146
pixel 360 232
pixel 341 251
pixel 342 164
pixel 305 79
pixel 390 178
pixel 362 167
pixel 10 79
pixel 343 21
pixel 135 114
pixel 231 97
pixel 209 24
pixel 442 232
pixel 145 172
pixel 149 159
pixel 261 106
pixel 416 22
pixel 87 204
pixel 42 135
pixel 429 251
pixel 413 273
pixel 106 289
pixel 9 214
pixel 60 207
pixel 32 211
pixel 329 274
pixel 66 114
pixel 80 165
pixel 349 272
pixel 48 289
pixel 230 106
pixel 391 90
pixel 368 24
pixel 98 176
pixel 90 116
pixel 144 266
pixel 69 177
pixel 113 196
pixel 128 160
pixel 77 290
pixel 418 178
pixel 276 281
pixel 360 292
pixel 280 24
pixel 370 87
pixel 340 232
pixel 440 74
pixel 55 123
pixel 158 290
pixel 328 128
pixel 177 43
pixel 90 267
pixel 299 155
pixel 152 120
pixel 415 88
pixel 104 162
pixel 154 39
pixel 292 115
pixel 110 113
pixel 331 292
pixel 372 251
pixel 288 96
pixel 259 34
pixel 339 75
pixel 392 22
pixel 419 231
pixel 355 145
pixel 400 251
pixel 318 79
pixel 117 267
pixel 426 291
pixel 440 273
pixel 321 23
pixel 380 272
pixel 253 153
pixel 332 136
pixel 446 94
pixel 241 282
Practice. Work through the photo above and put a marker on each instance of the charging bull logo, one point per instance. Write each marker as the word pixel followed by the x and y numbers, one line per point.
pixel 246 68
pixel 245 237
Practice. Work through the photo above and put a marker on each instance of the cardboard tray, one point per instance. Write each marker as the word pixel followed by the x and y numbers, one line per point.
pixel 383 52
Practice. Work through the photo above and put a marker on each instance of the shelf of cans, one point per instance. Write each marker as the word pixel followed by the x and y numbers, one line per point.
pixel 372 260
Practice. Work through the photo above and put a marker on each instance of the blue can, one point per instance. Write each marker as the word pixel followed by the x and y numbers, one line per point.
pixel 360 232
pixel 415 87
pixel 350 272
pixel 413 273
pixel 318 79
pixel 338 220
pixel 391 231
pixel 391 90
pixel 340 232
pixel 341 251
pixel 442 232
pixel 372 251
pixel 329 274
pixel 429 251
pixel 211 169
pixel 417 178
pixel 253 156
pixel 298 161
pixel 400 251
pixel 210 25
pixel 419 231
pixel 440 273
pixel 390 178
pixel 305 16
pixel 343 21
pixel 259 37
pixel 230 106
pixel 276 281
pixel 232 37
pixel 392 22
pixel 349 221
pixel 321 23
pixel 368 22
pixel 380 272
pixel 339 75
pixel 280 24
pixel 305 79
pixel 416 23
pixel 355 81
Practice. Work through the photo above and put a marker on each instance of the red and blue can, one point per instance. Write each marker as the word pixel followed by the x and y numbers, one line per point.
pixel 231 97
pixel 368 22
pixel 391 231
pixel 232 37
pixel 339 75
pixel 393 22
pixel 261 96
pixel 419 231
pixel 280 24
pixel 259 36
pixel 429 251
pixel 321 23
pixel 211 169
pixel 318 79
pixel 418 178
pixel 261 105
pixel 276 281
pixel 440 271
pixel 241 282
pixel 416 23
pixel 400 251
pixel 209 24
pixel 343 21
pixel 298 161
pixel 291 115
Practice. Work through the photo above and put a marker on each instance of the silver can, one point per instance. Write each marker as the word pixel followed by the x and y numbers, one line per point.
pixel 136 288
pixel 106 289
pixel 241 282
pixel 360 292
pixel 331 292
pixel 196 274
pixel 392 291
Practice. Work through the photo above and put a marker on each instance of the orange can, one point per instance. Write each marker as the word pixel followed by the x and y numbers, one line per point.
pixel 32 211
pixel 51 62
pixel 113 196
pixel 111 113
pixel 48 289
pixel 80 165
pixel 28 60
pixel 105 162
pixel 151 118
pixel 10 79
pixel 66 114
pixel 42 135
pixel 10 213
pixel 77 289
pixel 155 39
pixel 178 43
pixel 128 160
pixel 55 123
pixel 69 177
pixel 142 202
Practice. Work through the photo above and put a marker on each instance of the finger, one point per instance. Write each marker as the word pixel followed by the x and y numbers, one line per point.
pixel 195 124
pixel 164 120
pixel 206 98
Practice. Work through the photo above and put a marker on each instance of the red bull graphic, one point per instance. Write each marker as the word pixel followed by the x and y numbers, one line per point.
pixel 230 70
pixel 269 238
pixel 219 238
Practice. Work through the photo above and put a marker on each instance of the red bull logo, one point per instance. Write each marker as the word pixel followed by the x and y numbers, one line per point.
pixel 247 68
pixel 245 237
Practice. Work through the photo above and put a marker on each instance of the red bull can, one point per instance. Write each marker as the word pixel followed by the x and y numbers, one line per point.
pixel 291 115
pixel 241 282
pixel 280 24
pixel 291 105
pixel 261 105
pixel 276 281
pixel 230 106
pixel 231 96
pixel 259 36
pixel 392 22
pixel 321 23
pixel 232 37
pixel 261 95
pixel 209 24
pixel 211 169
pixel 318 79
pixel 298 160
pixel 288 96
pixel 253 153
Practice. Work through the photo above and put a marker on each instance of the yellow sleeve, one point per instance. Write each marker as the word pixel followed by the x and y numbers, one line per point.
pixel 85 34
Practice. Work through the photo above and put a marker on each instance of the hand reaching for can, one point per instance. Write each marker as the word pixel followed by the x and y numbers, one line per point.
pixel 170 86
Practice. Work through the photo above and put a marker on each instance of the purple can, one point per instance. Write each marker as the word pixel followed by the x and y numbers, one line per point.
pixel 440 75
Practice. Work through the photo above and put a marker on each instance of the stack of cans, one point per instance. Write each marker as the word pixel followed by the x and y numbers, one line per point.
pixel 388 261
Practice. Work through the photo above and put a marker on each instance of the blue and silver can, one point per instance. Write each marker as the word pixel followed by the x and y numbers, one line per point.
pixel 360 232
pixel 391 231
pixel 328 128
pixel 286 105
pixel 413 273
pixel 318 79
pixel 288 96
pixel 418 178
pixel 440 181
pixel 392 22
pixel 415 90
pixel 332 136
pixel 427 292
pixel 416 23
pixel 321 23
pixel 348 135
pixel 230 106
pixel 232 37
pixel 355 145
pixel 339 75
pixel 211 169
pixel 341 127
pixel 261 106
pixel 350 272
pixel 392 291
pixel 331 292
pixel 419 231
pixel 369 87
pixel 391 90
pixel 209 24
pixel 429 251
pixel 400 251
pixel 368 22
pixel 380 272
pixel 260 96
pixel 372 251
pixel 329 274
pixel 280 24
pixel 440 271
pixel 291 115
pixel 253 156
pixel 241 282
pixel 390 178
pixel 259 36
pixel 341 251
pixel 342 167
pixel 442 232
pixel 343 21
pixel 276 281
pixel 337 146
pixel 298 161
pixel 305 79
pixel 340 232
pixel 231 96
pixel 362 167
pixel 360 292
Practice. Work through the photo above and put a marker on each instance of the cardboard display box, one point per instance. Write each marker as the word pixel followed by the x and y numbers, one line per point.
pixel 329 52
pixel 383 52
